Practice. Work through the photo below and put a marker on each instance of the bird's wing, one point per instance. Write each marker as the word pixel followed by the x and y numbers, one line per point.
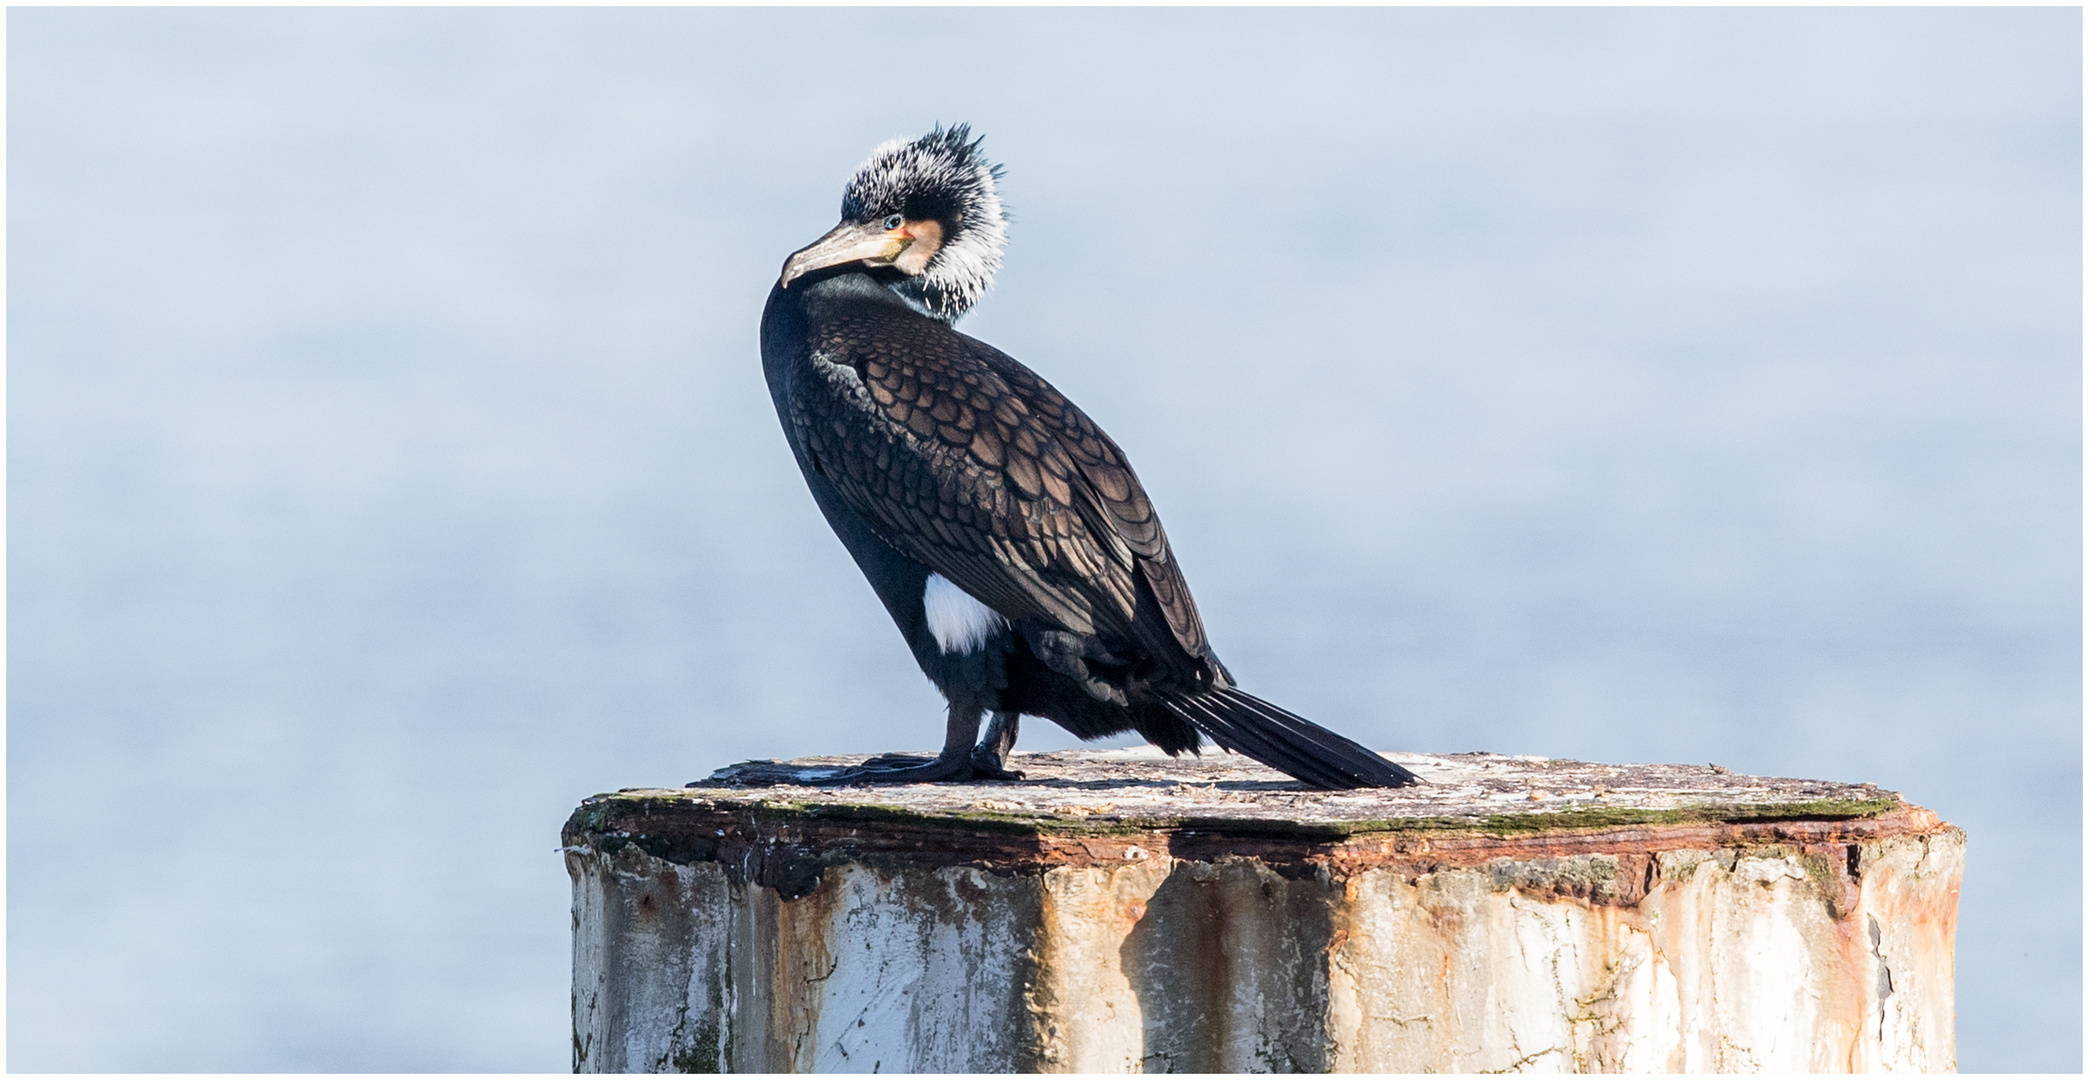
pixel 963 459
pixel 1114 498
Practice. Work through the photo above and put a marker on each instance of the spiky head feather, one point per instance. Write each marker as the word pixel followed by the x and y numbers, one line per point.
pixel 945 176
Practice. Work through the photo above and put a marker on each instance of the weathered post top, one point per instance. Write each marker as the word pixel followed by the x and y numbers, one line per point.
pixel 1121 910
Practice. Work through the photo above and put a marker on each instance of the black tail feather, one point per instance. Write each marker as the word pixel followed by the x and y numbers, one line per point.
pixel 1254 739
pixel 1285 741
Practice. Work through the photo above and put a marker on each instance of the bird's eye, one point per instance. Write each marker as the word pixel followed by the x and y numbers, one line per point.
pixel 894 221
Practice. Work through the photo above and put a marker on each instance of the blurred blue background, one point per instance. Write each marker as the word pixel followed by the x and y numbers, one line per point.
pixel 390 465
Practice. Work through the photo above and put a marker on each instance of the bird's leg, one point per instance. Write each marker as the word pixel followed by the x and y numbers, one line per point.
pixel 989 757
pixel 954 763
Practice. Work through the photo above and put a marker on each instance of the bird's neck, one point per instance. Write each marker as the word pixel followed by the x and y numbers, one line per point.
pixel 858 288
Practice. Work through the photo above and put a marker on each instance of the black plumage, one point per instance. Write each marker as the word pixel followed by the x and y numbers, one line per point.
pixel 1005 533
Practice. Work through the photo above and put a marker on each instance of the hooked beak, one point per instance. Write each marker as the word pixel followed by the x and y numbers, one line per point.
pixel 849 242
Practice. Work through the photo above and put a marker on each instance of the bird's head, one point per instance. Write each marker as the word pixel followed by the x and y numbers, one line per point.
pixel 925 208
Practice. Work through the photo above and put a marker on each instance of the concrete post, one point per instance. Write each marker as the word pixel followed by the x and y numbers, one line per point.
pixel 1120 912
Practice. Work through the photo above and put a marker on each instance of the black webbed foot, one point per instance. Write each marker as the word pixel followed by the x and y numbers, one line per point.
pixel 988 770
pixel 899 769
pixel 895 761
pixel 959 762
pixel 915 769
pixel 991 755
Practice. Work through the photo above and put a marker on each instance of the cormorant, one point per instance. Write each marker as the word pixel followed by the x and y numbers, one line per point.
pixel 1005 533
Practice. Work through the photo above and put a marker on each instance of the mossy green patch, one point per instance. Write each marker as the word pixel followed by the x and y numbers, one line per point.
pixel 625 810
pixel 1611 817
pixel 703 1053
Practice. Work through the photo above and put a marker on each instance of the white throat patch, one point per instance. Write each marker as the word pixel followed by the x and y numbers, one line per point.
pixel 960 624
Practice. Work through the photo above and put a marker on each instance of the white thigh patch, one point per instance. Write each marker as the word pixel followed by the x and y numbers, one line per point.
pixel 960 624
